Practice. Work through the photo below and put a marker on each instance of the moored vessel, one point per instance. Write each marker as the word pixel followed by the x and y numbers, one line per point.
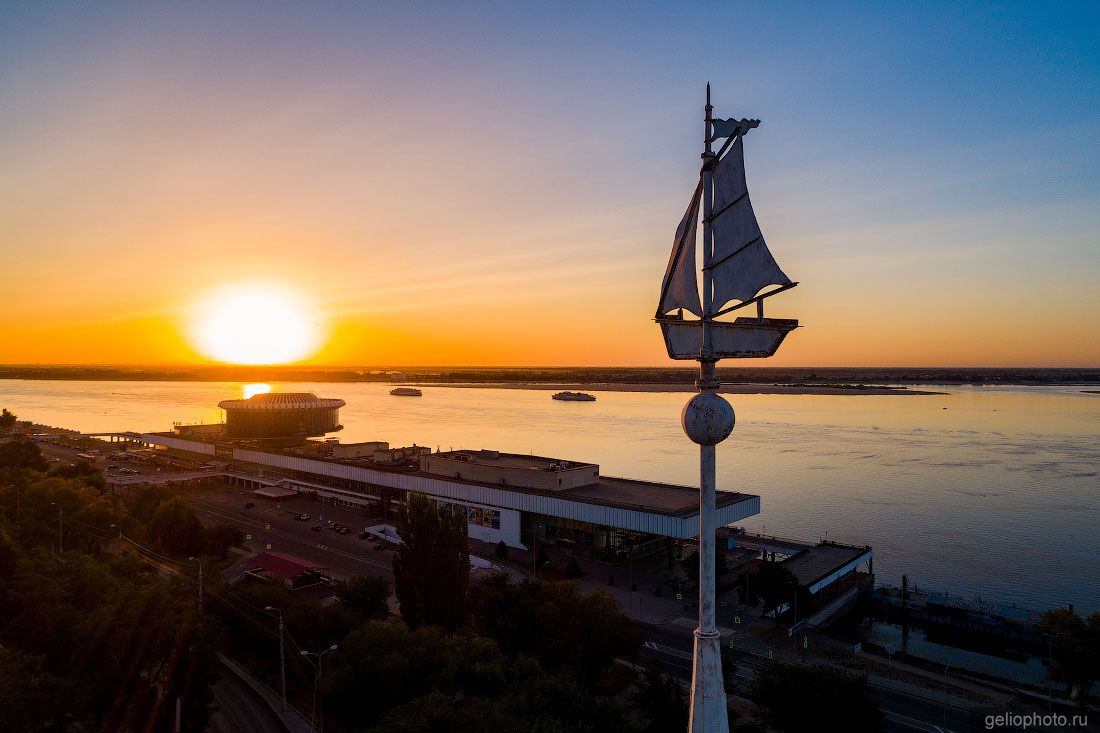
pixel 574 397
pixel 406 392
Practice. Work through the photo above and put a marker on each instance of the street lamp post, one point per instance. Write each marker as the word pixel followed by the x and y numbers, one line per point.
pixel 1050 671
pixel 945 667
pixel 282 661
pixel 60 528
pixel 316 679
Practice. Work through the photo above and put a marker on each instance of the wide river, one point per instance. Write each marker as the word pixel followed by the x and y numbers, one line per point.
pixel 987 491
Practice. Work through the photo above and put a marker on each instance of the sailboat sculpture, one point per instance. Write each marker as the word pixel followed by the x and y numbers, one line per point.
pixel 737 264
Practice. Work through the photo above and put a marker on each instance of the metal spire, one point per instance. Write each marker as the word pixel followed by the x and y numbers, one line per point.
pixel 708 420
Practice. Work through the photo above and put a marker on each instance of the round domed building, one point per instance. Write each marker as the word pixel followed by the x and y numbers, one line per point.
pixel 281 415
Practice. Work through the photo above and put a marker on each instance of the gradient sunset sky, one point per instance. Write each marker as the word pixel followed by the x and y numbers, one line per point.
pixel 498 184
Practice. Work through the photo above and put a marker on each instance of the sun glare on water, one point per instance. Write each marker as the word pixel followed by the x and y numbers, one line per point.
pixel 256 325
pixel 250 390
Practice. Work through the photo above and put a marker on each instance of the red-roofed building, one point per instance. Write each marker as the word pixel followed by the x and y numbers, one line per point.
pixel 292 571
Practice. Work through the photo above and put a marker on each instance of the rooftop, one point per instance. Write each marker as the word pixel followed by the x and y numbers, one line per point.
pixel 512 460
pixel 647 496
pixel 284 565
pixel 644 496
pixel 821 560
pixel 282 401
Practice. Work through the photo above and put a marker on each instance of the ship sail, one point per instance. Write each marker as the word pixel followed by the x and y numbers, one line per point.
pixel 737 265
pixel 741 264
pixel 680 287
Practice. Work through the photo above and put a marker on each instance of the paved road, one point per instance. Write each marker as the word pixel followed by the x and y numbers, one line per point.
pixel 275 524
pixel 240 709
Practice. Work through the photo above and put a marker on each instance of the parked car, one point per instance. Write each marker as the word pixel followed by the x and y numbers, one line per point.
pixel 316 528
pixel 343 530
pixel 364 535
pixel 305 517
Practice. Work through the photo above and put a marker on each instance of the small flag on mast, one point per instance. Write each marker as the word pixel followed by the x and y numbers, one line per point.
pixel 728 128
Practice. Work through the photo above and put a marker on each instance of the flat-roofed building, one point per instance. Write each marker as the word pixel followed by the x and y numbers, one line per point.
pixel 511 469
pixel 510 498
pixel 365 449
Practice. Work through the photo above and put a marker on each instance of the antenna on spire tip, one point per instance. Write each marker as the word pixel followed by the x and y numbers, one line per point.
pixel 708 92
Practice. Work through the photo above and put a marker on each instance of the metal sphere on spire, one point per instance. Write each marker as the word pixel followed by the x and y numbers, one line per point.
pixel 707 418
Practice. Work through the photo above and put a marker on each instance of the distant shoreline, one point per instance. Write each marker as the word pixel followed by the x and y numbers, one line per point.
pixel 809 389
pixel 679 378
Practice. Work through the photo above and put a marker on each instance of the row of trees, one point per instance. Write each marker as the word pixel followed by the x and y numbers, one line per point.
pixel 1075 647
pixel 90 638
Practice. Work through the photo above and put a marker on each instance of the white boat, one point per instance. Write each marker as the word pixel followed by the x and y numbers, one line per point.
pixel 574 397
pixel 737 263
pixel 406 392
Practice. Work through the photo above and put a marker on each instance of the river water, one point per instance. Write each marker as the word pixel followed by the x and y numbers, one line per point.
pixel 991 492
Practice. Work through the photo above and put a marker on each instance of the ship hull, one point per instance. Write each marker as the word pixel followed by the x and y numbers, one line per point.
pixel 745 338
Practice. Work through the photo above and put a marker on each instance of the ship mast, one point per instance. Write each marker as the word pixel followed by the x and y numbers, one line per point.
pixel 707 419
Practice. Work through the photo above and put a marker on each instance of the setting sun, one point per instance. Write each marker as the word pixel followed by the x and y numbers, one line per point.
pixel 252 324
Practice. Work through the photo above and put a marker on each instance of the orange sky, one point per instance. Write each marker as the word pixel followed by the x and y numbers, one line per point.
pixel 504 192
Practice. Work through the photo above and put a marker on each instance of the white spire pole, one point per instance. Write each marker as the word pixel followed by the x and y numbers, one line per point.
pixel 708 420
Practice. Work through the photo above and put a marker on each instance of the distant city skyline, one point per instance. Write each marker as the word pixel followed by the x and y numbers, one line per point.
pixel 499 184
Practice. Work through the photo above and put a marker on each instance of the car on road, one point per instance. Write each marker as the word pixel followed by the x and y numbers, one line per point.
pixel 304 517
pixel 343 530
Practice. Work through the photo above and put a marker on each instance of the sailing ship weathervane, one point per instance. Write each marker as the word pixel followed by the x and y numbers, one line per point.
pixel 737 266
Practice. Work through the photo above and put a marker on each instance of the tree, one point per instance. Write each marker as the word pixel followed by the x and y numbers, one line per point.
pixel 690 564
pixel 552 622
pixel 501 550
pixel 22 453
pixel 431 567
pixel 572 569
pixel 775 585
pixel 175 527
pixel 88 648
pixel 144 502
pixel 791 699
pixel 30 699
pixel 366 595
pixel 217 540
pixel 660 700
pixel 7 419
pixel 1076 653
pixel 84 472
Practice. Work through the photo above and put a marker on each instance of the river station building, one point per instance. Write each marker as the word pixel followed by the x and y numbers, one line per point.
pixel 505 497
pixel 281 415
pixel 525 501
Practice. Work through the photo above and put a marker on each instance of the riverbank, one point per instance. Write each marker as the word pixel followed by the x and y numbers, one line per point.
pixel 805 389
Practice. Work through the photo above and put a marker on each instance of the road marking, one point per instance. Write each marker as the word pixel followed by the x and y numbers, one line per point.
pixel 914 723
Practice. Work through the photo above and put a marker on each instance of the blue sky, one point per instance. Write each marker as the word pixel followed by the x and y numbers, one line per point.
pixel 917 162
